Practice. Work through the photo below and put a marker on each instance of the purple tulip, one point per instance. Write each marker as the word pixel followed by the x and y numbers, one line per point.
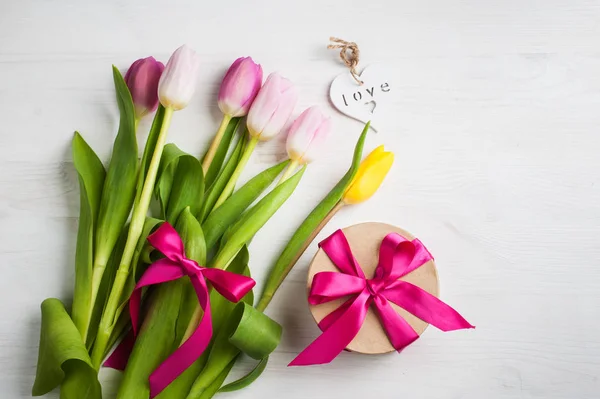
pixel 272 107
pixel 240 86
pixel 142 79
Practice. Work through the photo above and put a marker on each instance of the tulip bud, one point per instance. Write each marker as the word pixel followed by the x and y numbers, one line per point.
pixel 239 87
pixel 272 107
pixel 307 134
pixel 142 80
pixel 369 176
pixel 178 81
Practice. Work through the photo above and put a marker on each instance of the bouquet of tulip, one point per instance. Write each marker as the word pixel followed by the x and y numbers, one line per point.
pixel 172 287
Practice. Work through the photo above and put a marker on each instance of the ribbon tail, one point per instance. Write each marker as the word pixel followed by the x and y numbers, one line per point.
pixel 399 332
pixel 120 356
pixel 191 349
pixel 426 306
pixel 339 334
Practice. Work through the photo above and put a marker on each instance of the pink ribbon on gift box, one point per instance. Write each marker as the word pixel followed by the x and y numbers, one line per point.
pixel 175 265
pixel 397 257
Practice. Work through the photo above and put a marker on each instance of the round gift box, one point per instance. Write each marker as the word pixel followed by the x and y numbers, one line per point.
pixel 364 240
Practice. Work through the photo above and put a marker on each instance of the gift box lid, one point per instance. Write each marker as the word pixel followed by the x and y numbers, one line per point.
pixel 365 240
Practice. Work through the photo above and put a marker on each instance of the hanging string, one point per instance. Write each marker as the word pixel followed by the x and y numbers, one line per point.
pixel 349 54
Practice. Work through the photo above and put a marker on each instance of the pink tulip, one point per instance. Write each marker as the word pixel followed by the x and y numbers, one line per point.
pixel 142 80
pixel 178 81
pixel 307 134
pixel 272 107
pixel 240 86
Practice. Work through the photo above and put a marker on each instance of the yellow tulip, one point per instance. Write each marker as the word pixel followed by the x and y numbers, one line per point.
pixel 370 175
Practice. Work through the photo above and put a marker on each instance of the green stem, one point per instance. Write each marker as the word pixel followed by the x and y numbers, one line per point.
pixel 268 294
pixel 237 172
pixel 288 171
pixel 140 209
pixel 212 150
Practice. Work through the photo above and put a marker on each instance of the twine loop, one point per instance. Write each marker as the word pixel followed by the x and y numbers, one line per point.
pixel 349 54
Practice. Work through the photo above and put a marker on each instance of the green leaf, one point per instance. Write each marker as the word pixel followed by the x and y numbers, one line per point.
pixel 255 333
pixel 76 384
pixel 301 238
pixel 254 219
pixel 149 149
pixel 115 205
pixel 187 189
pixel 163 185
pixel 216 188
pixel 63 356
pixel 222 150
pixel 180 183
pixel 248 379
pixel 119 186
pixel 229 212
pixel 91 179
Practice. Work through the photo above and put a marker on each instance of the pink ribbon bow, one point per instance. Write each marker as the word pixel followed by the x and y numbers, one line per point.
pixel 397 257
pixel 174 266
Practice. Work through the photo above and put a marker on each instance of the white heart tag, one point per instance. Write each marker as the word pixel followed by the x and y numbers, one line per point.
pixel 366 102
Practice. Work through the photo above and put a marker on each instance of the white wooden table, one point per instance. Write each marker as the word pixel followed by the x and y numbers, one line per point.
pixel 496 130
